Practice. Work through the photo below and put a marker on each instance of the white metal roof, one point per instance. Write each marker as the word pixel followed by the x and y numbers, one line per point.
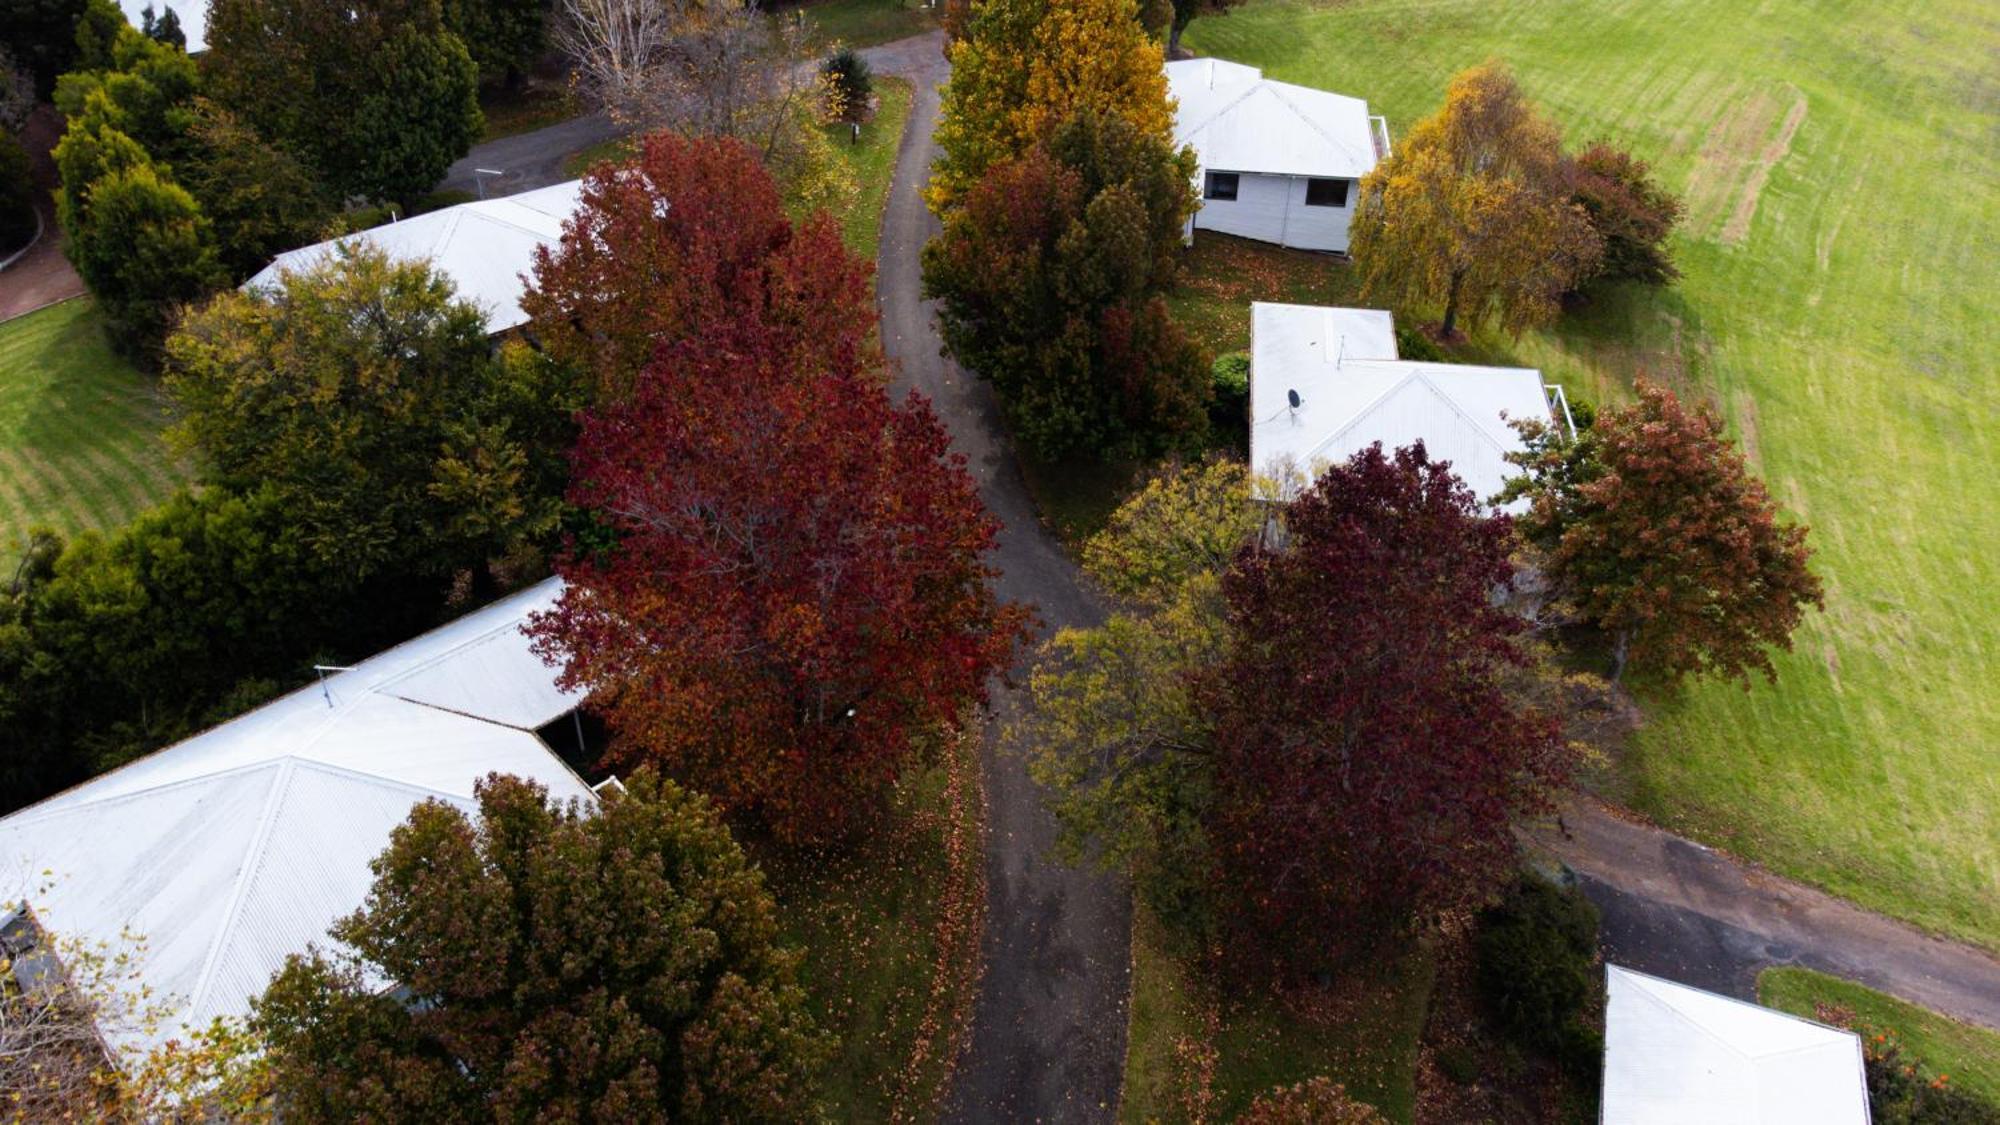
pixel 193 15
pixel 239 846
pixel 486 248
pixel 1239 121
pixel 1675 1054
pixel 1353 392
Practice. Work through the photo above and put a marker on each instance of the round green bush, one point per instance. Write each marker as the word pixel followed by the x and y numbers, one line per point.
pixel 1537 962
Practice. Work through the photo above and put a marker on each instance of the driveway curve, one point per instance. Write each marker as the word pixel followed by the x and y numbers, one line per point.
pixel 1048 1030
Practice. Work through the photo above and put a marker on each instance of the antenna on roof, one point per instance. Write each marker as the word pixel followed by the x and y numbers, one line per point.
pixel 322 670
pixel 1342 353
pixel 1293 398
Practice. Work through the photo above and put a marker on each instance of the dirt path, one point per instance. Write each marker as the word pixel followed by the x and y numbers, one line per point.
pixel 1683 911
pixel 529 160
pixel 1048 1036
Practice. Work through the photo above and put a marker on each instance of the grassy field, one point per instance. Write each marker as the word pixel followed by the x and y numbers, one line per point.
pixel 1968 1056
pixel 1365 1039
pixel 1840 253
pixel 79 428
pixel 890 930
pixel 864 23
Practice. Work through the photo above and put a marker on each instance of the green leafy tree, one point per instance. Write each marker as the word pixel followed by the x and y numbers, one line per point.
pixel 556 962
pixel 503 36
pixel 1050 274
pixel 144 249
pixel 17 195
pixel 114 645
pixel 142 87
pixel 1471 215
pixel 378 98
pixel 1022 67
pixel 1537 962
pixel 261 200
pixel 1653 529
pixel 368 397
pixel 164 28
pixel 1116 732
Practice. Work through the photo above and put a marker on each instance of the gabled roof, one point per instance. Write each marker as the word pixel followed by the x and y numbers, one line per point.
pixel 486 248
pixel 1239 121
pixel 1677 1054
pixel 239 846
pixel 1353 392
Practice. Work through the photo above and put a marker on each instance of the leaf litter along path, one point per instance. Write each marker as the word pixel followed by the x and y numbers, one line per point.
pixel 1048 1034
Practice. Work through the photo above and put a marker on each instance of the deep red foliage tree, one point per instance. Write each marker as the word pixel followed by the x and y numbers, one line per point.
pixel 670 244
pixel 1368 759
pixel 797 589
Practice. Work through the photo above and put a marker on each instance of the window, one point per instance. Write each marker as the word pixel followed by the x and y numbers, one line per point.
pixel 1326 193
pixel 1221 185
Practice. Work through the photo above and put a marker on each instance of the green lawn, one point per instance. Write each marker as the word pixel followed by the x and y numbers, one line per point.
pixel 1365 1038
pixel 890 928
pixel 873 159
pixel 1968 1056
pixel 79 428
pixel 864 23
pixel 1840 256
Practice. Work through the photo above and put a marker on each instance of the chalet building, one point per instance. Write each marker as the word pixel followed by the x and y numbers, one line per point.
pixel 1278 163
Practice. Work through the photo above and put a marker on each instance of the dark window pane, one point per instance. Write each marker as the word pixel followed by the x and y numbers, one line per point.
pixel 1326 193
pixel 1221 185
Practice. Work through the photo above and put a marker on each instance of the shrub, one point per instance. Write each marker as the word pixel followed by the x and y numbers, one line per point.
pixel 1537 954
pixel 17 195
pixel 1902 1090
pixel 1316 1101
pixel 1412 344
pixel 1229 380
pixel 850 83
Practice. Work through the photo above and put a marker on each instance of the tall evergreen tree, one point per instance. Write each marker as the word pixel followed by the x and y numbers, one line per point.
pixel 378 98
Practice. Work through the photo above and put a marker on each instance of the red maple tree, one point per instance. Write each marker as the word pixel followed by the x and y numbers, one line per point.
pixel 1368 758
pixel 797 588
pixel 674 242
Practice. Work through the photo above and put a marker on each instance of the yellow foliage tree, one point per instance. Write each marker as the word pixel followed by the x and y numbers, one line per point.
pixel 1022 67
pixel 1472 214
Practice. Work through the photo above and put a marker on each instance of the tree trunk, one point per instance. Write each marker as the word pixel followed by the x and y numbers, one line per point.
pixel 1450 324
pixel 1173 39
pixel 1621 648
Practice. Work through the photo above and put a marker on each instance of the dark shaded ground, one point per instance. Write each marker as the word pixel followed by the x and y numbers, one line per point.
pixel 1682 911
pixel 1048 1037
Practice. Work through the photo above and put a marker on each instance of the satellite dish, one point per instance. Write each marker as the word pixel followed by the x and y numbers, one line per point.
pixel 1294 399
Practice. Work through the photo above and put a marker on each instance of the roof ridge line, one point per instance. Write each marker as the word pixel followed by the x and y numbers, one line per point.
pixel 1476 424
pixel 1302 115
pixel 252 862
pixel 1366 409
pixel 113 799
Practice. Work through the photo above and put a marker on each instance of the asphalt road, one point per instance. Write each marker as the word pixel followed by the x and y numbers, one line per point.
pixel 528 160
pixel 1679 910
pixel 1048 1035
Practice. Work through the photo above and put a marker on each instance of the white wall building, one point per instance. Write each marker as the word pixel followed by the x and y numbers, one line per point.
pixel 486 248
pixel 1279 163
pixel 241 845
pixel 1326 383
pixel 1675 1054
